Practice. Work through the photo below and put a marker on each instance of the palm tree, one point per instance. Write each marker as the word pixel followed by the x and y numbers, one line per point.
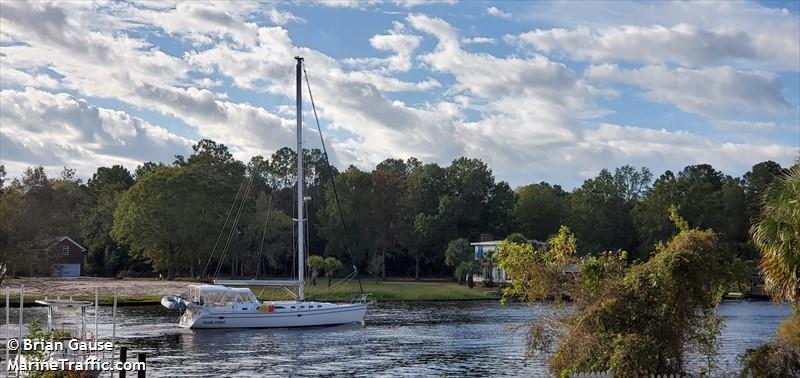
pixel 777 236
pixel 331 264
pixel 316 263
pixel 459 255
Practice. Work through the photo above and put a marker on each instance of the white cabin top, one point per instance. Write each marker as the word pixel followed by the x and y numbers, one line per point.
pixel 220 294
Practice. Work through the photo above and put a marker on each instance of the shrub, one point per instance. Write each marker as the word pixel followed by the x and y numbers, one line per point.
pixel 771 360
pixel 631 320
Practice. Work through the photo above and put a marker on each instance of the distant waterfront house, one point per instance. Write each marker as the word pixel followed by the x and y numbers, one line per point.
pixel 63 257
pixel 484 251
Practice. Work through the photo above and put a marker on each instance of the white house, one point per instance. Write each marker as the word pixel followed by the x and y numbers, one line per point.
pixel 490 270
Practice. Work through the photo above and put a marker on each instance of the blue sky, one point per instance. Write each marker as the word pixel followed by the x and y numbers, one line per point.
pixel 551 91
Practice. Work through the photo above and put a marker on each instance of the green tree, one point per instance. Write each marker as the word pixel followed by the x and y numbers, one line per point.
pixel 162 219
pixel 777 236
pixel 268 240
pixel 316 263
pixel 632 321
pixel 473 202
pixel 517 237
pixel 351 240
pixel 634 183
pixel 538 274
pixel 651 214
pixel 332 265
pixel 37 209
pixel 771 360
pixel 460 255
pixel 104 191
pixel 540 209
pixel 706 198
pixel 15 235
pixel 145 168
pixel 171 217
pixel 757 181
pixel 426 239
pixel 388 182
pixel 600 214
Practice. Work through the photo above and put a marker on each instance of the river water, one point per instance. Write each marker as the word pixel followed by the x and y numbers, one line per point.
pixel 481 338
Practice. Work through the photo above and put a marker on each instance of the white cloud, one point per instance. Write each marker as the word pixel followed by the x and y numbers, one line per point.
pixel 477 40
pixel 348 3
pixel 683 44
pixel 396 41
pixel 283 17
pixel 710 92
pixel 745 126
pixel 526 116
pixel 350 101
pixel 613 145
pixel 126 69
pixel 10 75
pixel 490 77
pixel 202 21
pixel 96 63
pixel 744 34
pixel 59 130
pixel 497 12
pixel 363 4
pixel 414 3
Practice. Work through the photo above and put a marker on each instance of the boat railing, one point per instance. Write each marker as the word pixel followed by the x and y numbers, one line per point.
pixel 365 298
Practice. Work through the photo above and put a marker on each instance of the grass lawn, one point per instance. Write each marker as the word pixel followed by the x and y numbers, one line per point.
pixel 389 291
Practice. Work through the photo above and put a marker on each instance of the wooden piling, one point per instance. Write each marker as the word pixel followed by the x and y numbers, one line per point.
pixel 123 357
pixel 143 359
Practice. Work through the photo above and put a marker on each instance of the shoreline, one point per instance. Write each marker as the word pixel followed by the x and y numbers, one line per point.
pixel 143 291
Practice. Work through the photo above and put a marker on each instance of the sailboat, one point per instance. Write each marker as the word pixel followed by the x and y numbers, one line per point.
pixel 222 305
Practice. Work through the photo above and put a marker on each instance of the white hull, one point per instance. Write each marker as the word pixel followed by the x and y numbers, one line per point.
pixel 330 314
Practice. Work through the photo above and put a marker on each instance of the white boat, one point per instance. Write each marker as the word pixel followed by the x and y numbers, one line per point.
pixel 219 306
pixel 223 306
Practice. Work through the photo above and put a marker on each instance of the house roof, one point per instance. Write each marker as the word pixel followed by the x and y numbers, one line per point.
pixel 60 239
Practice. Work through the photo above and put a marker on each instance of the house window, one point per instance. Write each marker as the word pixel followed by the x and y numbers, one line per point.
pixel 65 250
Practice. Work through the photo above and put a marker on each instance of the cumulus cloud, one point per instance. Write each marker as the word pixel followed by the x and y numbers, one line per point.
pixel 362 4
pixel 282 17
pixel 745 126
pixel 202 22
pixel 352 101
pixel 59 130
pixel 490 77
pixel 396 41
pixel 14 76
pixel 742 34
pixel 497 12
pixel 531 118
pixel 477 40
pixel 683 44
pixel 616 145
pixel 123 68
pixel 708 92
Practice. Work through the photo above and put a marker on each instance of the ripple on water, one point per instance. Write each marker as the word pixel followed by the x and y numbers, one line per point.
pixel 399 339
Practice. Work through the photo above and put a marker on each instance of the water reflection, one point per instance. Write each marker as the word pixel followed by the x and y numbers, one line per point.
pixel 414 339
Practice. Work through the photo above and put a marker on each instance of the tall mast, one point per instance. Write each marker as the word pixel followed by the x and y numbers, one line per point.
pixel 300 244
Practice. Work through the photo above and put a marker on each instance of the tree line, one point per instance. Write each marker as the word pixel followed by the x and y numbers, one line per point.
pixel 181 219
